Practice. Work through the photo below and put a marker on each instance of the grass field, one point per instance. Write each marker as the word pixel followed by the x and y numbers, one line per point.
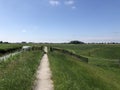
pixel 18 72
pixel 99 55
pixel 71 74
pixel 110 51
pixel 101 73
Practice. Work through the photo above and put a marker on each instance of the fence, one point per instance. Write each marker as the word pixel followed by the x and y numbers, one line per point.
pixel 84 59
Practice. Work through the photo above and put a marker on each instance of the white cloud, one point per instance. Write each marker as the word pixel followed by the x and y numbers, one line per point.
pixel 69 2
pixel 54 2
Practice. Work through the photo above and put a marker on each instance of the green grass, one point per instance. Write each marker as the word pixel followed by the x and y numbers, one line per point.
pixel 71 74
pixel 91 50
pixel 8 48
pixel 17 73
pixel 100 55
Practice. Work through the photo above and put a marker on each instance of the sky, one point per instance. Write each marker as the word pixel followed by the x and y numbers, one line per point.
pixel 60 20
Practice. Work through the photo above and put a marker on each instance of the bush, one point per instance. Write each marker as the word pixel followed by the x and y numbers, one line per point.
pixel 76 42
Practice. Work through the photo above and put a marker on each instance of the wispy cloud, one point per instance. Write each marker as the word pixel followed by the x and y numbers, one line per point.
pixel 24 30
pixel 69 2
pixel 73 7
pixel 54 2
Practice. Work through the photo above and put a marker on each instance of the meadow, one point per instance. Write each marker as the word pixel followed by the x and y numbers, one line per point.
pixel 101 73
pixel 97 53
pixel 110 51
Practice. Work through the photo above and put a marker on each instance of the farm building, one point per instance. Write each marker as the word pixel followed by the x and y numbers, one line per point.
pixel 24 48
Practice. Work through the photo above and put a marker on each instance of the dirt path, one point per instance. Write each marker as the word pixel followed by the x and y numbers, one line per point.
pixel 44 81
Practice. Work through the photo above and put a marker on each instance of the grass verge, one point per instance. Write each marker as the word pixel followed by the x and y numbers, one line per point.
pixel 70 74
pixel 17 73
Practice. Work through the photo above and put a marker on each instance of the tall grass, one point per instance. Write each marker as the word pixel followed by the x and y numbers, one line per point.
pixel 71 74
pixel 17 73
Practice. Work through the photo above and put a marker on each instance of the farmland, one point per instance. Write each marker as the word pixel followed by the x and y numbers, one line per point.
pixel 102 72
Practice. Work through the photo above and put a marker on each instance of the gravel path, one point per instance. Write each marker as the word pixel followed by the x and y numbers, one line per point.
pixel 44 81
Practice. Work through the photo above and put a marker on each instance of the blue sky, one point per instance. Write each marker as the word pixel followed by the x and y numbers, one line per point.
pixel 60 20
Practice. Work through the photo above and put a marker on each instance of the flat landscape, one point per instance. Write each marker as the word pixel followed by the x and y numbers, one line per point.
pixel 59 44
pixel 101 72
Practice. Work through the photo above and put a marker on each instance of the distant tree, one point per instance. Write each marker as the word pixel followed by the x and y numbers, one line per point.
pixel 23 42
pixel 6 42
pixel 76 42
pixel 30 42
pixel 1 41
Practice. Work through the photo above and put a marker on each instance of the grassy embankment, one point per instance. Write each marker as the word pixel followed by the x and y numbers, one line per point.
pixel 17 73
pixel 71 74
pixel 102 72
pixel 99 55
pixel 8 48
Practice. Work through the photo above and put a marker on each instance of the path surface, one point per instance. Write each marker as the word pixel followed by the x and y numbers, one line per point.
pixel 44 81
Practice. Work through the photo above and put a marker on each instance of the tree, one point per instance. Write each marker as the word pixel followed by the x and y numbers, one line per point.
pixel 76 42
pixel 6 42
pixel 23 42
pixel 1 41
